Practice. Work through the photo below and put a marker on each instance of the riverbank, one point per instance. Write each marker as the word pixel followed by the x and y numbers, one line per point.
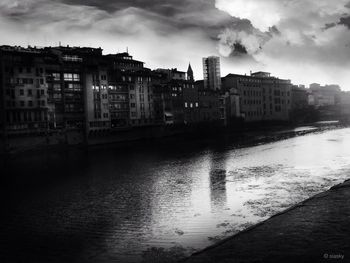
pixel 315 230
pixel 241 137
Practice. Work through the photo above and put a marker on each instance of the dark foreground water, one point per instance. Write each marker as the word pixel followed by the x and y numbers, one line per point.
pixel 159 200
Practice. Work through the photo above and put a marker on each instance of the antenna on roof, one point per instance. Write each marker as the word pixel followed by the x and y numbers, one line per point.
pixel 59 43
pixel 127 50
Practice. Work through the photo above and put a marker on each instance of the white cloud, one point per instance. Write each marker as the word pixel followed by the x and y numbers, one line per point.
pixel 303 50
pixel 262 14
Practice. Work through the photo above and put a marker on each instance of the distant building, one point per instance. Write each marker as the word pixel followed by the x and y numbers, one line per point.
pixel 261 97
pixel 208 103
pixel 321 96
pixel 229 108
pixel 211 73
pixel 345 105
pixel 172 74
pixel 130 92
pixel 176 96
pixel 299 97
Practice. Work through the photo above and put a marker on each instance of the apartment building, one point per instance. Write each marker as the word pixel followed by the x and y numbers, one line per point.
pixel 24 90
pixel 262 97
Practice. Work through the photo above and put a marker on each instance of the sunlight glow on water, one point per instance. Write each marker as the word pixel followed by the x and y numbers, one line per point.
pixel 127 203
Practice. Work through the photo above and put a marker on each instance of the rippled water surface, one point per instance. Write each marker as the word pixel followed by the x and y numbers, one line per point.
pixel 164 199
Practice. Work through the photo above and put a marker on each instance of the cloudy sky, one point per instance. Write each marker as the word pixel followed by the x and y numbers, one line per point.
pixel 302 40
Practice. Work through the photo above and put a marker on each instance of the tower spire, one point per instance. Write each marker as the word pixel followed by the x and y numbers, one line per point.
pixel 190 73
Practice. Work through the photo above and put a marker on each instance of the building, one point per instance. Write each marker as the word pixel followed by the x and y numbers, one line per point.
pixel 208 104
pixel 211 73
pixel 299 97
pixel 67 84
pixel 190 76
pixel 229 108
pixel 322 96
pixel 345 105
pixel 24 89
pixel 130 92
pixel 261 96
pixel 44 87
pixel 177 97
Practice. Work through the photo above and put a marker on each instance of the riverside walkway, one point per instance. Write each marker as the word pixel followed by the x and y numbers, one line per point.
pixel 316 230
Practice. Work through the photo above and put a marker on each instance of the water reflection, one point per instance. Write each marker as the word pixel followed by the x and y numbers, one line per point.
pixel 119 205
pixel 217 179
pixel 218 188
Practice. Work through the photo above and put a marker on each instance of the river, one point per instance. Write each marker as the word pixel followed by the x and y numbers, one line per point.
pixel 157 200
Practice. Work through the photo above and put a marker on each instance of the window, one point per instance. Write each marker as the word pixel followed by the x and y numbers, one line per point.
pixel 103 77
pixel 74 87
pixel 27 81
pixel 57 96
pixel 73 58
pixel 132 105
pixel 186 105
pixel 22 103
pixel 133 114
pixel 71 77
pixel 29 92
pixel 196 104
pixel 57 87
pixel 21 92
pixel 56 76
pixel 30 103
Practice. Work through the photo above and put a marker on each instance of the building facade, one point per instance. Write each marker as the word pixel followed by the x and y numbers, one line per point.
pixel 211 73
pixel 261 97
pixel 321 96
pixel 177 97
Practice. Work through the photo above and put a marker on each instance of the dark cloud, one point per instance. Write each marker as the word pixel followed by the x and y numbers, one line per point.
pixel 181 14
pixel 162 7
pixel 342 21
pixel 238 50
pixel 345 21
pixel 274 31
pixel 329 25
pixel 161 16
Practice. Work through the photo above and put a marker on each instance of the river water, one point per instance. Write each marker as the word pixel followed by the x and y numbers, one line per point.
pixel 159 200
